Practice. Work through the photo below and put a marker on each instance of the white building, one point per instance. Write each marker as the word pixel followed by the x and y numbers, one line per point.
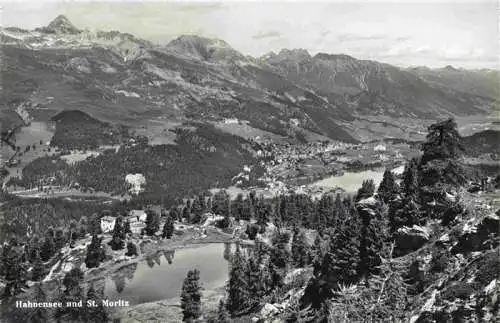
pixel 230 120
pixel 107 223
pixel 379 148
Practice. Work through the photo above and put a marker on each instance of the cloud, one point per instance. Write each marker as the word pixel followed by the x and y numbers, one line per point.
pixel 268 34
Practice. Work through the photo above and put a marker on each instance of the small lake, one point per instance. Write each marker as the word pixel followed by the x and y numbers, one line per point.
pixel 350 181
pixel 161 276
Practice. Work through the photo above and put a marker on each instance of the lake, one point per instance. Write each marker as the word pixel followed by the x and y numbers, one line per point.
pixel 350 181
pixel 161 276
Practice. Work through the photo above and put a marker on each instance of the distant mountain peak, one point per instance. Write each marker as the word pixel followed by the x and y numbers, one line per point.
pixel 325 56
pixel 61 24
pixel 203 48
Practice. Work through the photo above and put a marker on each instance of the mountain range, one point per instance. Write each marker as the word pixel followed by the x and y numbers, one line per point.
pixel 119 78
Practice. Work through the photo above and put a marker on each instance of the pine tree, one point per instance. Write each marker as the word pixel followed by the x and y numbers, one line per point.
pixel 388 188
pixel 191 296
pixel 222 315
pixel 256 289
pixel 72 293
pixel 117 242
pixel 152 223
pixel 366 190
pixel 59 239
pixel 14 270
pixel 405 213
pixel 300 249
pixel 48 247
pixel 186 211
pixel 168 228
pixel 374 232
pixel 196 211
pixel 95 253
pixel 237 207
pixel 39 314
pixel 37 272
pixel 131 250
pixel 279 253
pixel 262 213
pixel 443 142
pixel 126 228
pixel 237 287
pixel 410 182
pixel 221 203
pixel 95 313
pixel 344 251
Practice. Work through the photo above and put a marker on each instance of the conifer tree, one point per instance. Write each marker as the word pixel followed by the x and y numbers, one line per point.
pixel 374 232
pixel 168 228
pixel 366 190
pixel 117 242
pixel 388 188
pixel 14 270
pixel 405 213
pixel 220 204
pixel 342 265
pixel 191 296
pixel 186 211
pixel 237 287
pixel 48 248
pixel 152 223
pixel 300 250
pixel 442 142
pixel 72 293
pixel 38 269
pixel 222 315
pixel 95 313
pixel 95 253
pixel 131 250
pixel 39 314
pixel 279 252
pixel 59 239
pixel 410 182
pixel 255 285
pixel 262 214
pixel 196 211
pixel 126 227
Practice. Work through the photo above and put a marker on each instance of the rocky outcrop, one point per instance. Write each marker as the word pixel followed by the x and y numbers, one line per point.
pixel 409 239
pixel 479 236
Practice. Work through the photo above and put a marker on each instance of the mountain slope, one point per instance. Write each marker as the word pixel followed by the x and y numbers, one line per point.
pixel 119 78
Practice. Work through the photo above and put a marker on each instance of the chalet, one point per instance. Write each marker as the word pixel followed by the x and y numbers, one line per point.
pixel 107 223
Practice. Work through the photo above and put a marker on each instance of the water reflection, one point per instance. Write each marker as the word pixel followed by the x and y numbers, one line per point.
pixel 151 280
pixel 169 255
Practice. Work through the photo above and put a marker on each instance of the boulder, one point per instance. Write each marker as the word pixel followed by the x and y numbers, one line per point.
pixel 409 239
pixel 268 311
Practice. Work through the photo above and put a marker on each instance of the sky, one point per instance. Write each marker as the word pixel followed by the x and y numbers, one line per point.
pixel 403 33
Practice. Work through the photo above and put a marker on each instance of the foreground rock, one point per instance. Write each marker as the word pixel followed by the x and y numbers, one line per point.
pixel 409 239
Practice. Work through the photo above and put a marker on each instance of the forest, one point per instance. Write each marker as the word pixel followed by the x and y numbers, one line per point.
pixel 362 268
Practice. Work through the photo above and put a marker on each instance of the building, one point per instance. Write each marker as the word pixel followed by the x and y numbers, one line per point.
pixel 137 216
pixel 230 120
pixel 107 223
